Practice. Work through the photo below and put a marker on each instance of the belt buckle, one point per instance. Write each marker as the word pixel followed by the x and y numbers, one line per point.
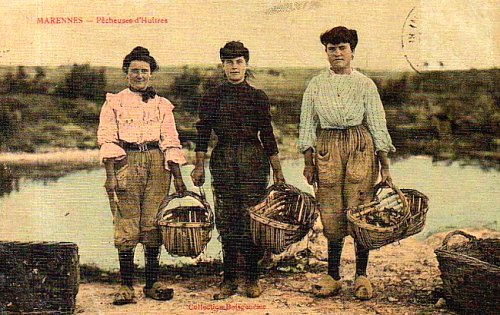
pixel 143 147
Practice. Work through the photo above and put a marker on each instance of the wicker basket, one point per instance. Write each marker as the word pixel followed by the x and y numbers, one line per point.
pixel 38 277
pixel 419 205
pixel 284 217
pixel 470 272
pixel 372 236
pixel 186 230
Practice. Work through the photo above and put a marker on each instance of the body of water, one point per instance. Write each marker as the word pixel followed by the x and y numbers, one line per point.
pixel 75 207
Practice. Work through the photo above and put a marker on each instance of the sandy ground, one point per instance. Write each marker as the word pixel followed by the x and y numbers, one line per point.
pixel 405 277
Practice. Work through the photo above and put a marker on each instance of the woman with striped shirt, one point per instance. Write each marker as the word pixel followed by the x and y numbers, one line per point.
pixel 349 146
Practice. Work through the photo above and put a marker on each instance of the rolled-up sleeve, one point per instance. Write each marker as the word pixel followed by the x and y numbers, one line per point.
pixel 169 138
pixel 107 132
pixel 266 132
pixel 375 119
pixel 308 120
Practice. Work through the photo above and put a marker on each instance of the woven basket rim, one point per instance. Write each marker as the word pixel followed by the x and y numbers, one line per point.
pixel 462 257
pixel 363 225
pixel 262 218
pixel 203 207
pixel 276 224
pixel 185 224
pixel 446 249
pixel 413 192
pixel 209 219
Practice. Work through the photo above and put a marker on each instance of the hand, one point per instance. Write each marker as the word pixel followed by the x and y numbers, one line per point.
pixel 278 177
pixel 310 174
pixel 198 175
pixel 385 176
pixel 110 184
pixel 179 184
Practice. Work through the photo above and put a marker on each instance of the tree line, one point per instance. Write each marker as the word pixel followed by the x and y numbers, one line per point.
pixel 426 107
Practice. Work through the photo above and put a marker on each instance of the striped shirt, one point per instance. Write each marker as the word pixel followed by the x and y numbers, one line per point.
pixel 338 101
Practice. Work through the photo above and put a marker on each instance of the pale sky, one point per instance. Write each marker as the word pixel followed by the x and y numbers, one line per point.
pixel 454 34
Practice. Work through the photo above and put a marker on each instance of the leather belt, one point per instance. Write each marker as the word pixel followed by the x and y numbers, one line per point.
pixel 341 128
pixel 143 147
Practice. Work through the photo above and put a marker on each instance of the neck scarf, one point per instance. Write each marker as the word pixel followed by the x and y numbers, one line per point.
pixel 148 93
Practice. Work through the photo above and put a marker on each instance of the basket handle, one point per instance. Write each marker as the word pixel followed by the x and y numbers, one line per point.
pixel 378 188
pixel 182 194
pixel 202 193
pixel 458 232
pixel 282 186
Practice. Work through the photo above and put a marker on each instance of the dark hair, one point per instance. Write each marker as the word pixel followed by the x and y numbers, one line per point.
pixel 234 49
pixel 340 34
pixel 140 54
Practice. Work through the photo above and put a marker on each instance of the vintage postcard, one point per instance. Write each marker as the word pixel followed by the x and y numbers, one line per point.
pixel 417 78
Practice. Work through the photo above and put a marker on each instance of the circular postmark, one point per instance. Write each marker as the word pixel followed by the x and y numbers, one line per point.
pixel 438 37
pixel 411 40
pixel 417 43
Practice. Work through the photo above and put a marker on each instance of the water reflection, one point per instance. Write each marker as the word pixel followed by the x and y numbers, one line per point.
pixel 75 207
pixel 440 152
pixel 472 151
pixel 12 176
pixel 9 181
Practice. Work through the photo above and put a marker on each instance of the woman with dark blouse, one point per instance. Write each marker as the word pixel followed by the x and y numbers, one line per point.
pixel 239 116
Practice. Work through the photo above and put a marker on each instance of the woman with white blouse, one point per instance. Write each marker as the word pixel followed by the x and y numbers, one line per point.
pixel 342 156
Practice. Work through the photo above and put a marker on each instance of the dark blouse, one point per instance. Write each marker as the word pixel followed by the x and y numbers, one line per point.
pixel 236 113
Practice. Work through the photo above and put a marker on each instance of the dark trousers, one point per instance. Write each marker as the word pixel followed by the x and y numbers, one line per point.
pixel 240 174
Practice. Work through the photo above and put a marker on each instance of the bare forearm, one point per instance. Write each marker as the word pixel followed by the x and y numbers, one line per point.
pixel 175 169
pixel 109 165
pixel 200 159
pixel 308 157
pixel 309 169
pixel 383 159
pixel 275 163
pixel 198 173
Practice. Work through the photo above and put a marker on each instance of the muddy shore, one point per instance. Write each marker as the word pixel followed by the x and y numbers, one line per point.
pixel 405 276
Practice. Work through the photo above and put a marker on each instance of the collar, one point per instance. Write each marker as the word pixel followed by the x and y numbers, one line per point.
pixel 244 83
pixel 332 73
pixel 147 94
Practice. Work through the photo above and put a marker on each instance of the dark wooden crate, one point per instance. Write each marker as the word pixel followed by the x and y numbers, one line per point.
pixel 38 277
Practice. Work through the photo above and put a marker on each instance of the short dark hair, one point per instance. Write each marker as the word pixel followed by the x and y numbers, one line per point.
pixel 340 34
pixel 234 49
pixel 140 54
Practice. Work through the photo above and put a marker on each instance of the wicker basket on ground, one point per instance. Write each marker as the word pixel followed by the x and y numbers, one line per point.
pixel 38 277
pixel 185 229
pixel 282 218
pixel 470 272
pixel 383 221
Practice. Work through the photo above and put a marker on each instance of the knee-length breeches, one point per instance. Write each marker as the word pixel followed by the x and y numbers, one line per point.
pixel 347 171
pixel 143 183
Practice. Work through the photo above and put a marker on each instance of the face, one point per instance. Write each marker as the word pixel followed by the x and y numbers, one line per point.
pixel 340 57
pixel 138 75
pixel 235 69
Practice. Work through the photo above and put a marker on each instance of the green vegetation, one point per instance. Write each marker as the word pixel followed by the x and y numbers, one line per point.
pixel 452 114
